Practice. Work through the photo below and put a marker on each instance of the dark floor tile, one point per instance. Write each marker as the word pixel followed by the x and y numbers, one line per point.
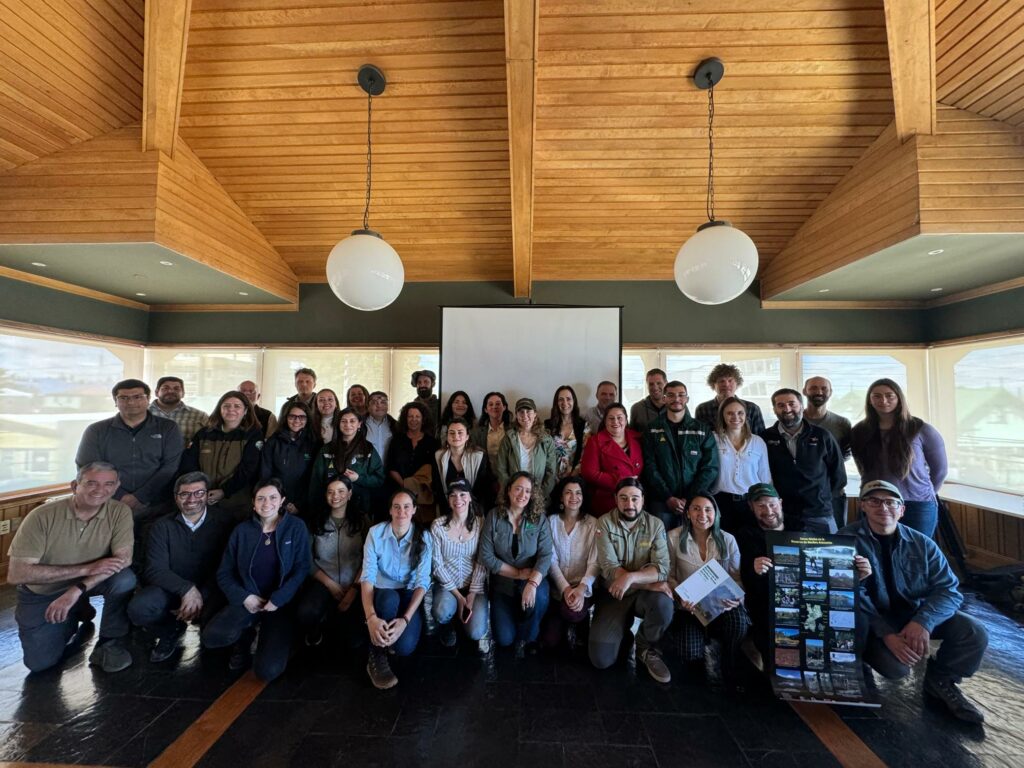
pixel 268 734
pixel 17 738
pixel 624 728
pixel 783 758
pixel 373 714
pixel 768 726
pixel 355 749
pixel 573 696
pixel 692 740
pixel 606 756
pixel 566 726
pixel 474 736
pixel 900 747
pixel 147 745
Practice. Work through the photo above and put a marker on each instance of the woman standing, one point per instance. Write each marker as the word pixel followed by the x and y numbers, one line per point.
pixel 411 458
pixel 568 430
pixel 358 399
pixel 698 541
pixel 325 417
pixel 528 448
pixel 350 455
pixel 267 560
pixel 228 451
pixel 458 575
pixel 459 406
pixel 396 575
pixel 891 445
pixel 516 548
pixel 743 462
pixel 289 454
pixel 573 567
pixel 330 595
pixel 494 422
pixel 459 459
pixel 613 453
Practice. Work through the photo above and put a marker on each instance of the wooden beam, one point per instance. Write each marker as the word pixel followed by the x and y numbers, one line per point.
pixel 910 29
pixel 165 42
pixel 521 84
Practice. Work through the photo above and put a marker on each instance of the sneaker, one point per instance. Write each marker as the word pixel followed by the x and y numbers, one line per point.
pixel 165 647
pixel 448 639
pixel 240 656
pixel 314 638
pixel 946 691
pixel 484 644
pixel 110 656
pixel 379 670
pixel 656 668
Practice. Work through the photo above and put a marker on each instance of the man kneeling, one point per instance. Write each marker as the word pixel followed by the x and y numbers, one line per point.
pixel 62 553
pixel 912 598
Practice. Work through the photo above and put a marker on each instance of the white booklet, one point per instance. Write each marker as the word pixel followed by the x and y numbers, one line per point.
pixel 707 588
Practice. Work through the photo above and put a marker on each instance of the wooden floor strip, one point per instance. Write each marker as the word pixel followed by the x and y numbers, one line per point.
pixel 845 745
pixel 189 748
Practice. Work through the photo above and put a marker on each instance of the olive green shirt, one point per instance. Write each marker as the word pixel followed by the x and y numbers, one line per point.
pixel 632 549
pixel 53 535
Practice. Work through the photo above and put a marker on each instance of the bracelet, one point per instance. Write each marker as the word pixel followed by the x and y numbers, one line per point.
pixel 81 586
pixel 533 583
pixel 371 616
pixel 405 620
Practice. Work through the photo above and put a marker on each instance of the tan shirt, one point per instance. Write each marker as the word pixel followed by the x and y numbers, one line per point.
pixel 631 548
pixel 53 535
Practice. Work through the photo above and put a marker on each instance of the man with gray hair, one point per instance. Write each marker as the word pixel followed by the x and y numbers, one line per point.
pixel 64 552
pixel 182 556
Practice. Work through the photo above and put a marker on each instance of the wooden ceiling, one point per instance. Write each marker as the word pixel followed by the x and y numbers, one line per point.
pixel 535 139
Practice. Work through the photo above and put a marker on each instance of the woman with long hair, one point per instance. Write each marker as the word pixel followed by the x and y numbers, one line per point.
pixel 396 575
pixel 891 445
pixel 325 415
pixel 459 406
pixel 358 398
pixel 331 592
pixel 691 546
pixel 288 455
pixel 350 455
pixel 515 547
pixel 528 448
pixel 411 458
pixel 494 423
pixel 613 453
pixel 743 462
pixel 568 430
pixel 459 459
pixel 266 562
pixel 573 567
pixel 459 577
pixel 227 449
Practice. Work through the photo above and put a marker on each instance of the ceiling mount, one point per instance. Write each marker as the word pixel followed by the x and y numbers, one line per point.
pixel 708 73
pixel 372 79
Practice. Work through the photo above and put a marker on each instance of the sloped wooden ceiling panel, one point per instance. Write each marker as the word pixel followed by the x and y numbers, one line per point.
pixel 271 107
pixel 70 70
pixel 621 145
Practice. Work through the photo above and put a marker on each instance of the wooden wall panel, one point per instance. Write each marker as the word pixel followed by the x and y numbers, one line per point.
pixel 15 508
pixel 69 71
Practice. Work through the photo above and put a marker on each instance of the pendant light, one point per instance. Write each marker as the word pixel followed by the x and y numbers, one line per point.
pixel 719 262
pixel 363 270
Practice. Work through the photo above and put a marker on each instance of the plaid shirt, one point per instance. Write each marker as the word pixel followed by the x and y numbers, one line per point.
pixel 189 420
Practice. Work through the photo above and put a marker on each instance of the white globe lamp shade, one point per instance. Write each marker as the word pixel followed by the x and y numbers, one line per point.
pixel 717 264
pixel 365 272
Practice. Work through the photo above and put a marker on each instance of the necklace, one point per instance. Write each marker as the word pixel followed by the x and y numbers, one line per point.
pixel 266 541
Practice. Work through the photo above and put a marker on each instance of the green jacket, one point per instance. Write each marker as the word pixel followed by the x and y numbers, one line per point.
pixel 679 459
pixel 543 465
pixel 366 464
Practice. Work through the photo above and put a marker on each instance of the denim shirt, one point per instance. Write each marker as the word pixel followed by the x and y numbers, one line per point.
pixel 921 575
pixel 387 562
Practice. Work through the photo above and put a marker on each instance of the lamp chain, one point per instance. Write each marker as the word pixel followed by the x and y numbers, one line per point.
pixel 710 205
pixel 369 160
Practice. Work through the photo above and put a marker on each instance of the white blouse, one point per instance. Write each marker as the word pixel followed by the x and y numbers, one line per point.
pixel 738 470
pixel 573 555
pixel 682 565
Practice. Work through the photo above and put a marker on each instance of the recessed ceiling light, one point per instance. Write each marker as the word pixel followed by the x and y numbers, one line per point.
pixel 242 293
pixel 38 264
pixel 140 294
pixel 824 290
pixel 936 290
pixel 936 252
pixel 167 263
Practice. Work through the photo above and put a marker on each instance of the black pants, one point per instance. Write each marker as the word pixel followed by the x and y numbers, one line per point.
pixel 735 511
pixel 233 623
pixel 964 641
pixel 316 607
pixel 152 608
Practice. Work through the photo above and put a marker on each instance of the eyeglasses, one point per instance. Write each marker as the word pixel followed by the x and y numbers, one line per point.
pixel 130 398
pixel 875 503
pixel 296 417
pixel 183 495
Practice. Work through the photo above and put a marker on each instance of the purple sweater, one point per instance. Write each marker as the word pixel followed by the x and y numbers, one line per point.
pixel 928 467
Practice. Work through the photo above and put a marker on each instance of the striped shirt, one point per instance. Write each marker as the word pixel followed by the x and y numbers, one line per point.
pixel 454 562
pixel 189 420
pixel 573 555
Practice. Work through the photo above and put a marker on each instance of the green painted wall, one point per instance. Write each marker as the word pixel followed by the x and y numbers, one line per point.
pixel 989 314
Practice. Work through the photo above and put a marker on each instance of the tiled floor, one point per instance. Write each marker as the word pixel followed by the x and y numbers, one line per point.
pixel 451 708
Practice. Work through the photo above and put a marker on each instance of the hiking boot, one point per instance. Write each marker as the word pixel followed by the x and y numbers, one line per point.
pixel 240 656
pixel 110 656
pixel 448 639
pixel 167 644
pixel 379 670
pixel 656 667
pixel 946 691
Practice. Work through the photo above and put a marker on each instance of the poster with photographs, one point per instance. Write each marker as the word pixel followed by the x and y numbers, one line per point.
pixel 814 610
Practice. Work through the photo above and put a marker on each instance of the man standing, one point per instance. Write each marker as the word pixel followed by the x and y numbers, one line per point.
pixel 725 379
pixel 818 390
pixel 181 567
pixel 913 598
pixel 632 557
pixel 380 425
pixel 62 553
pixel 652 406
pixel 268 421
pixel 424 382
pixel 606 394
pixel 806 466
pixel 169 403
pixel 680 458
pixel 145 448
pixel 305 392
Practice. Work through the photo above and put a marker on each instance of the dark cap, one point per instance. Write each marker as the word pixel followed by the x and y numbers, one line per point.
pixel 525 403
pixel 424 372
pixel 757 490
pixel 880 485
pixel 460 485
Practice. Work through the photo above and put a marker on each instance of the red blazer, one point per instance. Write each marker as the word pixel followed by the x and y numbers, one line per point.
pixel 604 464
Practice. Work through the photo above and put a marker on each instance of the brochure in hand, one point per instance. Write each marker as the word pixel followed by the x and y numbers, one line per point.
pixel 707 588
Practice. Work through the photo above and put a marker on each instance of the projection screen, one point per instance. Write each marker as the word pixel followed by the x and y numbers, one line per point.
pixel 529 351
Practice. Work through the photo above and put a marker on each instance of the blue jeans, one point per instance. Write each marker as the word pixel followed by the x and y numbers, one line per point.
pixel 389 604
pixel 446 606
pixel 922 516
pixel 510 622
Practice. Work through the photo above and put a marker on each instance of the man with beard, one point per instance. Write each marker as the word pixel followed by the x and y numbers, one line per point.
pixel 806 466
pixel 424 382
pixel 170 404
pixel 818 390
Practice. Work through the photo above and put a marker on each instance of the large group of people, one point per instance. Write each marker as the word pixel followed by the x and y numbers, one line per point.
pixel 334 522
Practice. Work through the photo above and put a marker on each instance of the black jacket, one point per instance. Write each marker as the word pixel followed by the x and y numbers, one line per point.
pixel 291 462
pixel 808 482
pixel 178 559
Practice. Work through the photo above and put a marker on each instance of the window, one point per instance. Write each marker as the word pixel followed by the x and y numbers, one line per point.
pixel 51 388
pixel 207 373
pixel 852 371
pixel 336 369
